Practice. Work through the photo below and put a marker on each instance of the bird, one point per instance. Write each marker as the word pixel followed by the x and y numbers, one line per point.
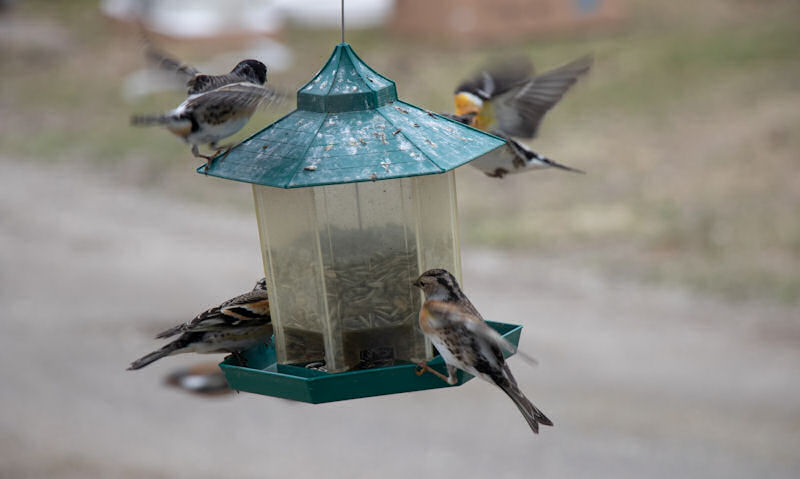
pixel 509 101
pixel 217 106
pixel 466 342
pixel 232 327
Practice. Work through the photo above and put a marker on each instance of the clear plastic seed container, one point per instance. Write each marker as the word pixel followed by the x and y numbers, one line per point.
pixel 340 263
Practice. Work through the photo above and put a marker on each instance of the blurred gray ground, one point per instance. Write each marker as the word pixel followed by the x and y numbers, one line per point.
pixel 641 382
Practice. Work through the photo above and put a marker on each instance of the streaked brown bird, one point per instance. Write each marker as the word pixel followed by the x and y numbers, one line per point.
pixel 465 341
pixel 237 324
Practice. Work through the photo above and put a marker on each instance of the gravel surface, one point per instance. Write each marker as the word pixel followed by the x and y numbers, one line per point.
pixel 640 382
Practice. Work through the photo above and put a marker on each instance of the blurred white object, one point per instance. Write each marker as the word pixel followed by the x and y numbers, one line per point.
pixel 198 18
pixel 325 13
pixel 204 378
pixel 208 18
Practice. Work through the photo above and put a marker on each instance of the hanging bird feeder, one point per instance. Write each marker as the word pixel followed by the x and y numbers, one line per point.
pixel 355 197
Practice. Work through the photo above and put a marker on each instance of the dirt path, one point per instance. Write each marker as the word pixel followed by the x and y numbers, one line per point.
pixel 640 382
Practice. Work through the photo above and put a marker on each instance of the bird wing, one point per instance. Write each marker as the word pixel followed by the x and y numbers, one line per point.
pixel 467 338
pixel 448 315
pixel 221 319
pixel 247 307
pixel 167 62
pixel 497 78
pixel 524 157
pixel 451 316
pixel 485 331
pixel 243 96
pixel 251 308
pixel 497 339
pixel 202 83
pixel 255 307
pixel 195 81
pixel 519 109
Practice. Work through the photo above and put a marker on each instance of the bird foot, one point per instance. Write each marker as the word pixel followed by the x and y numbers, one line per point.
pixel 422 368
pixel 498 173
pixel 240 358
pixel 210 159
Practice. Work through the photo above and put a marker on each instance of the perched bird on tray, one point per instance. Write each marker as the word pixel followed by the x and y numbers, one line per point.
pixel 232 327
pixel 509 101
pixel 465 341
pixel 217 107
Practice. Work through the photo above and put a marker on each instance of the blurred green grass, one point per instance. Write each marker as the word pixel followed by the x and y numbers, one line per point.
pixel 689 128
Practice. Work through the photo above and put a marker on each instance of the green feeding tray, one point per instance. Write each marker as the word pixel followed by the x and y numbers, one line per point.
pixel 349 127
pixel 263 375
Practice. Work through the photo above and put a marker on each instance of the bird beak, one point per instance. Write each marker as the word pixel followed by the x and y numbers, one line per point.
pixel 417 283
pixel 467 103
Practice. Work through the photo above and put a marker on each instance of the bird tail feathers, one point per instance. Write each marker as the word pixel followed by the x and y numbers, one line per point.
pixel 170 348
pixel 531 413
pixel 543 161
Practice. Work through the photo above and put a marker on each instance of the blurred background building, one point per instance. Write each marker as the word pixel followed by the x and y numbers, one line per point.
pixel 198 19
pixel 503 21
pixel 458 21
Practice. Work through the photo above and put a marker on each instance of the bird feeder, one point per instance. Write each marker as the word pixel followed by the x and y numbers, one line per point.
pixel 355 197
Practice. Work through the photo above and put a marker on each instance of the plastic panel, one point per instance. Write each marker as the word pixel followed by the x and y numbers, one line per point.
pixel 341 260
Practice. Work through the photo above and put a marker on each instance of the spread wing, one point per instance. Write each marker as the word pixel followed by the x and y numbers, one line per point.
pixel 202 83
pixel 236 97
pixel 519 110
pixel 167 62
pixel 498 78
pixel 195 81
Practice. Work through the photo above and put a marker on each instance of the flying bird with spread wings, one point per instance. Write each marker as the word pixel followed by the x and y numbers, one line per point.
pixel 217 106
pixel 508 100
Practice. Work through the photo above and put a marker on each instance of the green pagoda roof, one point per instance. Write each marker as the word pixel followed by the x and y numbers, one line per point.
pixel 349 126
